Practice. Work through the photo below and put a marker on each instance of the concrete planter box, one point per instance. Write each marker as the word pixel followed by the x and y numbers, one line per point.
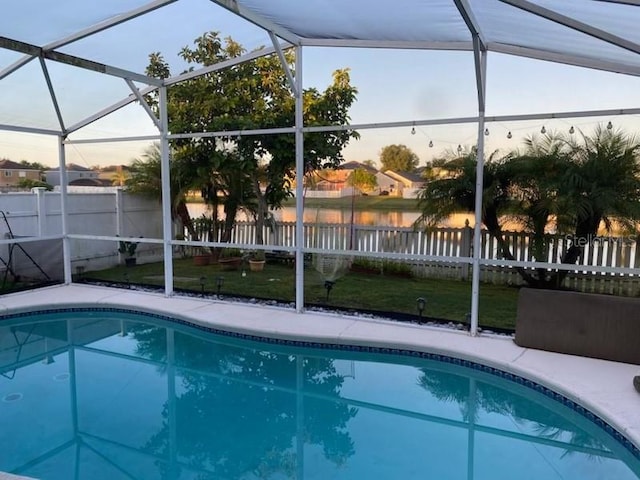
pixel 585 324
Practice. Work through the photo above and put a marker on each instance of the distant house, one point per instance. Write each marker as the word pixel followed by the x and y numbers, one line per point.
pixel 75 173
pixel 402 184
pixel 336 180
pixel 11 173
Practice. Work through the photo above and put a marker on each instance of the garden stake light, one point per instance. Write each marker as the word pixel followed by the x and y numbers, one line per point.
pixel 421 304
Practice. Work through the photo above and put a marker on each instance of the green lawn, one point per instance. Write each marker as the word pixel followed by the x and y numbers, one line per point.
pixel 445 299
pixel 360 203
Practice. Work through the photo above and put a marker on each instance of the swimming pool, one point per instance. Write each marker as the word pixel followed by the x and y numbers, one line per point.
pixel 104 393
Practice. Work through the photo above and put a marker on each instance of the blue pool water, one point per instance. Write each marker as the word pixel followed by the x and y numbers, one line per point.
pixel 114 395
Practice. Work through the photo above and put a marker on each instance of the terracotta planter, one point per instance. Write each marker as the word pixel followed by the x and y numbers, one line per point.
pixel 230 263
pixel 256 265
pixel 201 260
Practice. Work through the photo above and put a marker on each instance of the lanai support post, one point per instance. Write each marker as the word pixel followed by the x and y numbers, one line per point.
pixel 481 71
pixel 299 185
pixel 166 194
pixel 64 210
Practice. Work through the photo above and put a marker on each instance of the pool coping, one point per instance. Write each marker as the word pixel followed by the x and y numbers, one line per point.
pixel 602 387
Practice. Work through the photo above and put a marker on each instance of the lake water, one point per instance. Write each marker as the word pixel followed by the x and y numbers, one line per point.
pixel 331 215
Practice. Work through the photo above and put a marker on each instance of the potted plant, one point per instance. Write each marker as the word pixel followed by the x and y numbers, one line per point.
pixel 128 250
pixel 257 261
pixel 201 257
pixel 230 259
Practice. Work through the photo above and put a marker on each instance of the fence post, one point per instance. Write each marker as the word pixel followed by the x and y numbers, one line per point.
pixel 466 247
pixel 119 211
pixel 41 210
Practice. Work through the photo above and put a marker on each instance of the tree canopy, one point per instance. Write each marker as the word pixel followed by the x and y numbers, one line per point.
pixel 572 186
pixel 362 179
pixel 398 158
pixel 253 172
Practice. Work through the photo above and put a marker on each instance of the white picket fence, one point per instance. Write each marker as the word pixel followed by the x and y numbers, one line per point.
pixel 457 242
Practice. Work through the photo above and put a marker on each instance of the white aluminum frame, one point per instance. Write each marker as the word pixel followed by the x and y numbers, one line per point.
pixel 478 46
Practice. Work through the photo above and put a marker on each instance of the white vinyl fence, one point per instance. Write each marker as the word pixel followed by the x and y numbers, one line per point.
pixel 109 212
pixel 112 212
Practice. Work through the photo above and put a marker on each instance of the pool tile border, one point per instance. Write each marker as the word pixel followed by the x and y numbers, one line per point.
pixel 614 433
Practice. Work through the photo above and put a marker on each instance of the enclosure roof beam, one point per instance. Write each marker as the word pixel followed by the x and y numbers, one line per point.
pixel 15 66
pixel 38 131
pixel 52 94
pixel 143 103
pixel 261 52
pixel 35 51
pixel 574 24
pixel 474 119
pixel 470 20
pixel 572 60
pixel 403 45
pixel 108 110
pixel 621 2
pixel 283 62
pixel 111 22
pixel 260 21
pixel 173 80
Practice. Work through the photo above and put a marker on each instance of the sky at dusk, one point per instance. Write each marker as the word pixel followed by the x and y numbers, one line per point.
pixel 393 85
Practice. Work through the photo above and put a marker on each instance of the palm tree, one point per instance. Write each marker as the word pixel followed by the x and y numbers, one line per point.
pixel 573 184
pixel 145 179
pixel 602 185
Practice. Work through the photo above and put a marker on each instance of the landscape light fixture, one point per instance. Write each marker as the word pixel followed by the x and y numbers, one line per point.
pixel 509 135
pixel 202 282
pixel 609 126
pixel 572 130
pixel 421 303
pixel 328 284
pixel 543 130
pixel 219 283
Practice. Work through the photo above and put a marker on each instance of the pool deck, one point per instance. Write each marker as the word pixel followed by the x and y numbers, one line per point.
pixel 603 387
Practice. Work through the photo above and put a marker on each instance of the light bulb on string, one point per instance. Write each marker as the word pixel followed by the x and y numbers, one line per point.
pixel 509 135
pixel 459 149
pixel 572 130
pixel 430 143
pixel 543 130
pixel 486 131
pixel 609 126
pixel 413 130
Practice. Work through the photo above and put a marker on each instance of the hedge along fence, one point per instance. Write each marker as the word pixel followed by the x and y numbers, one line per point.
pixel 457 242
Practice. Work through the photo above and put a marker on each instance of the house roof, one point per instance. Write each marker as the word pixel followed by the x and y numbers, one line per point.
pixel 353 165
pixel 409 176
pixel 72 167
pixel 11 165
pixel 91 182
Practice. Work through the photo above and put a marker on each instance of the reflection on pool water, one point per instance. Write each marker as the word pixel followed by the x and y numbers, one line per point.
pixel 107 394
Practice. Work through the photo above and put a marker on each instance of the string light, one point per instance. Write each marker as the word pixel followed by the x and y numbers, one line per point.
pixel 543 130
pixel 572 130
pixel 430 143
pixel 486 131
pixel 413 130
pixel 509 136
pixel 459 149
pixel 609 126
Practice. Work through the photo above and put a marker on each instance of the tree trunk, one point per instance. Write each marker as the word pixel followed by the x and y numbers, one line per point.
pixel 261 211
pixel 183 214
